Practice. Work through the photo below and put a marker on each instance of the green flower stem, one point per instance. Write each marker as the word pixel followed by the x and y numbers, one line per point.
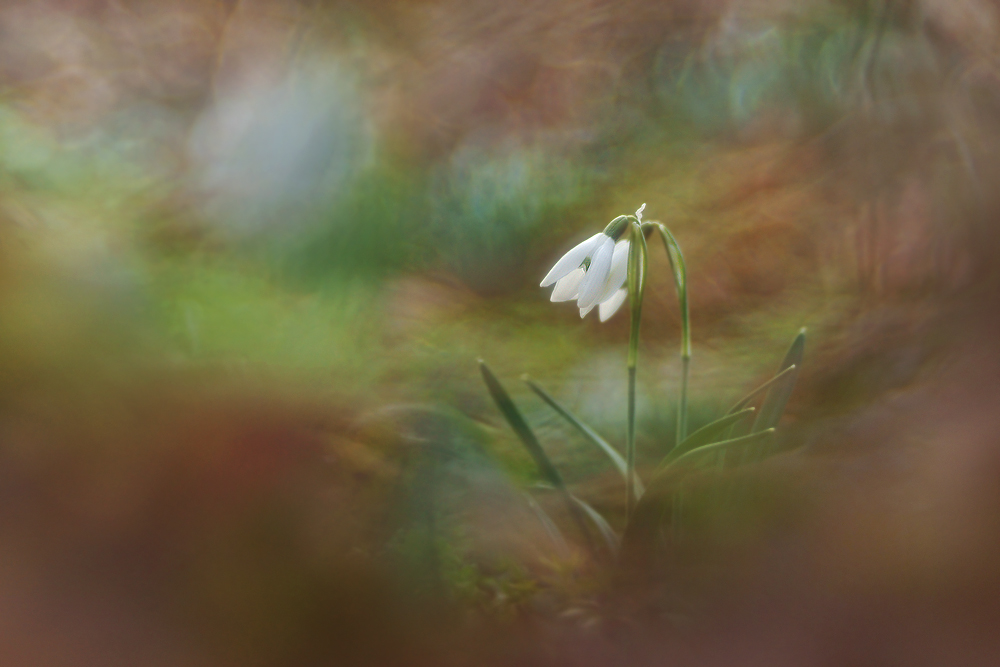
pixel 679 269
pixel 682 405
pixel 638 258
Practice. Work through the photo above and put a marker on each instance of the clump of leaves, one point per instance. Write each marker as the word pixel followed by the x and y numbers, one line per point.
pixel 742 436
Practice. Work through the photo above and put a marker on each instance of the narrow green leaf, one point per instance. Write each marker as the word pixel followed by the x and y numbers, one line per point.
pixel 603 527
pixel 667 475
pixel 530 442
pixel 661 499
pixel 743 402
pixel 586 431
pixel 794 355
pixel 547 523
pixel 520 426
pixel 743 442
pixel 777 396
pixel 774 403
pixel 706 435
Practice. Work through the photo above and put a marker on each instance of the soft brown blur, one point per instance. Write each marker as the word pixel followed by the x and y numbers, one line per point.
pixel 250 251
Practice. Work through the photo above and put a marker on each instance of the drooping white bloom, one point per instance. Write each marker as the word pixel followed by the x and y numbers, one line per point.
pixel 594 272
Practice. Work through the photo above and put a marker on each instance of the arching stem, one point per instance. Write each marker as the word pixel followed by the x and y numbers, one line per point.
pixel 679 269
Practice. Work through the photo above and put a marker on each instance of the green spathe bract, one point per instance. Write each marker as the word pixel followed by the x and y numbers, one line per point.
pixel 617 227
pixel 727 442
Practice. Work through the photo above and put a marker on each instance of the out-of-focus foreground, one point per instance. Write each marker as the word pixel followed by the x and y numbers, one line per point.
pixel 251 250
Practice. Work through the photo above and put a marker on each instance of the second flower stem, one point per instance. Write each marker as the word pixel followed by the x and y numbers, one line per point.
pixel 679 268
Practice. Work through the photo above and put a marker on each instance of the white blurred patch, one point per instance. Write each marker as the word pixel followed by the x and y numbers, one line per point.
pixel 270 157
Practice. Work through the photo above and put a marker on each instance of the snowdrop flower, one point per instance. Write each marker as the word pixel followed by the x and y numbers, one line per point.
pixel 594 271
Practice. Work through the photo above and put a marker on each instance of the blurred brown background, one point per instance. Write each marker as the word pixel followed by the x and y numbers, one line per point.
pixel 251 250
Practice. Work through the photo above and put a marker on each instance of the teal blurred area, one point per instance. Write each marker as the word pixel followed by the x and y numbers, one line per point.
pixel 251 250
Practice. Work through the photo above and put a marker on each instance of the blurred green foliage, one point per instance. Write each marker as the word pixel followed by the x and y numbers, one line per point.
pixel 315 294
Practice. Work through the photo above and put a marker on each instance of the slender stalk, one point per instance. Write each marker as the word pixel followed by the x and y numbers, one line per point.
pixel 637 260
pixel 682 404
pixel 679 269
pixel 630 494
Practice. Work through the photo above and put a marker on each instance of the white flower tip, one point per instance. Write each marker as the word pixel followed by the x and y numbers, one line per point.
pixel 638 212
pixel 572 259
pixel 593 283
pixel 567 287
pixel 611 306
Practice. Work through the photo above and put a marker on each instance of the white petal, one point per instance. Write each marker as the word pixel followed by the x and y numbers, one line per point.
pixel 573 259
pixel 619 271
pixel 568 287
pixel 584 311
pixel 597 275
pixel 611 306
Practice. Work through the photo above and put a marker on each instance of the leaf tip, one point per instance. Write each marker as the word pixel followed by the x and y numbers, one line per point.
pixel 486 371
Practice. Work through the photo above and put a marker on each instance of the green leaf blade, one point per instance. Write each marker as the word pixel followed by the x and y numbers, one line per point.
pixel 545 467
pixel 517 422
pixel 707 434
pixel 603 527
pixel 617 459
pixel 745 401
pixel 773 407
pixel 743 442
